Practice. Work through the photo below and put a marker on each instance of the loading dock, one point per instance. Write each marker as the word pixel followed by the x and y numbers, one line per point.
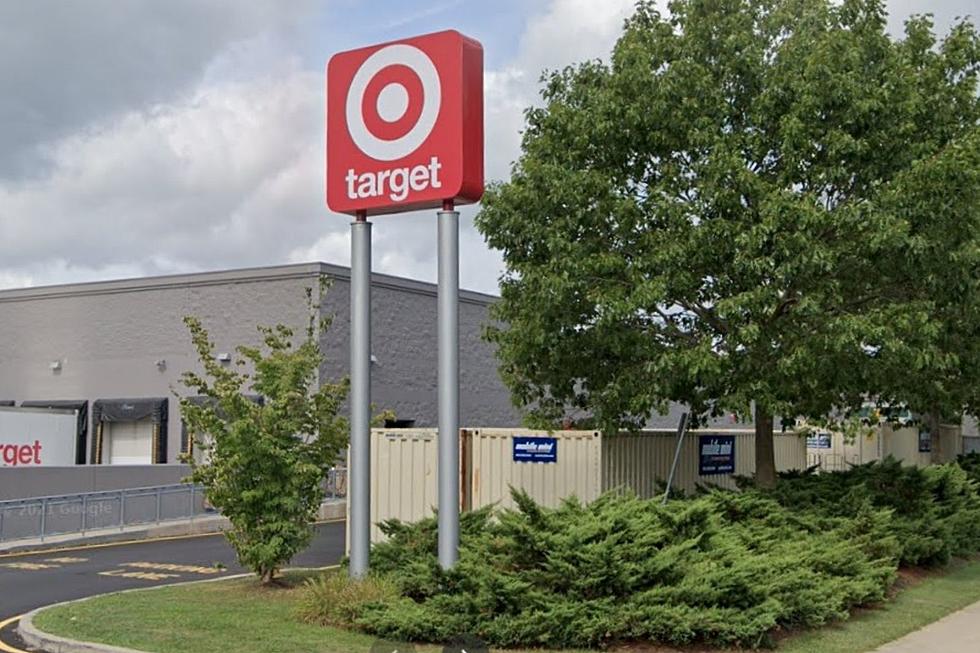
pixel 128 431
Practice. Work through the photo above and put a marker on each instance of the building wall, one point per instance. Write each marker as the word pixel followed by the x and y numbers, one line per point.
pixel 405 346
pixel 109 336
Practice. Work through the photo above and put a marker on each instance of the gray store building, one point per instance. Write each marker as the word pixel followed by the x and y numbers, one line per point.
pixel 120 347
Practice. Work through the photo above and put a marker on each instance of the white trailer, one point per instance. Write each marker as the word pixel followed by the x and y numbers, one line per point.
pixel 38 437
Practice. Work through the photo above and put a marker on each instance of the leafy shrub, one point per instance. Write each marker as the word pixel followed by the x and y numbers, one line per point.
pixel 970 463
pixel 258 474
pixel 935 510
pixel 334 599
pixel 723 568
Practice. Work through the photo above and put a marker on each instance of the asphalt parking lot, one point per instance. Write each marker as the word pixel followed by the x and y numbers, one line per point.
pixel 32 580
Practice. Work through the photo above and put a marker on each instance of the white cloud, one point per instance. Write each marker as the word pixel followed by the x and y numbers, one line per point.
pixel 333 247
pixel 570 31
pixel 567 32
pixel 226 171
pixel 230 172
pixel 220 178
pixel 66 64
pixel 944 13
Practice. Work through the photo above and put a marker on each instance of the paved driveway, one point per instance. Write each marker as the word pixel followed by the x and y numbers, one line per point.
pixel 33 580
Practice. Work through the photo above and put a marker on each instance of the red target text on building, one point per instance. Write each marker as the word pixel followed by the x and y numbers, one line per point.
pixel 405 125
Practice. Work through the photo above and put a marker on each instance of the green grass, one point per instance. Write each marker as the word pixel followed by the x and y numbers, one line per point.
pixel 241 614
pixel 199 618
pixel 237 614
pixel 922 603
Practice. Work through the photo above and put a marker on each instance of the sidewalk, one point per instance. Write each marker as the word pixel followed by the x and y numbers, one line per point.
pixel 955 633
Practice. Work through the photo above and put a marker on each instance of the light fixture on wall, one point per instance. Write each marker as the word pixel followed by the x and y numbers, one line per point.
pixel 161 365
pixel 55 366
pixel 374 359
pixel 224 357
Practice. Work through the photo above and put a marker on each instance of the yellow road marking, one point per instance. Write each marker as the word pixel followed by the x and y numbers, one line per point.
pixel 162 566
pixel 84 547
pixel 29 566
pixel 6 648
pixel 141 575
pixel 66 560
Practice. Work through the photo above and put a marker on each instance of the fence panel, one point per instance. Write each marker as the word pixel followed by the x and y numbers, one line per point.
pixel 43 517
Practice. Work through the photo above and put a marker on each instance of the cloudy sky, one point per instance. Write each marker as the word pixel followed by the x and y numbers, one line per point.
pixel 140 137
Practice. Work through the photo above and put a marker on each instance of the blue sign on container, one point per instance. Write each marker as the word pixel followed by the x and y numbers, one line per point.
pixel 818 441
pixel 535 450
pixel 717 454
pixel 925 441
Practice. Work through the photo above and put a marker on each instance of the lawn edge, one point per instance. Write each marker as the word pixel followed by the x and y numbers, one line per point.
pixel 38 639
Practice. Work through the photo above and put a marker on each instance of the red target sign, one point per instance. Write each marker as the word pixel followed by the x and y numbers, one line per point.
pixel 405 125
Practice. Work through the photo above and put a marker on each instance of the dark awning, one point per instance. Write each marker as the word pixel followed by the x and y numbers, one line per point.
pixel 130 410
pixel 70 404
pixel 7 402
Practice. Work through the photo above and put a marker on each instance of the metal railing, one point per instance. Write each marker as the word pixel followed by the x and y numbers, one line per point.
pixel 42 517
pixel 336 483
pixel 831 462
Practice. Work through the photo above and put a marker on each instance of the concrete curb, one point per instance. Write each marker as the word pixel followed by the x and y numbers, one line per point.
pixel 199 526
pixel 38 639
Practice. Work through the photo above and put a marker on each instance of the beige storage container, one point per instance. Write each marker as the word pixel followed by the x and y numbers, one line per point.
pixel 404 467
pixel 492 470
pixel 971 444
pixel 866 447
pixel 902 442
pixel 641 461
pixel 842 454
pixel 403 477
pixel 950 442
pixel 790 451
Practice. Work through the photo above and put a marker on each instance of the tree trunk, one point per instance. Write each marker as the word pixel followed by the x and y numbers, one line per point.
pixel 765 453
pixel 936 454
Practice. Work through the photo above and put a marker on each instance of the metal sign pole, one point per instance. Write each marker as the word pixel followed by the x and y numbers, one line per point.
pixel 681 428
pixel 360 396
pixel 448 474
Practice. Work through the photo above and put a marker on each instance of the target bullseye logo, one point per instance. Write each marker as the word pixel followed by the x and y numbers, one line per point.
pixel 405 125
pixel 387 75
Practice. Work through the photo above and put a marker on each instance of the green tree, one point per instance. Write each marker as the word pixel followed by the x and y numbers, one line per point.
pixel 939 200
pixel 703 218
pixel 266 463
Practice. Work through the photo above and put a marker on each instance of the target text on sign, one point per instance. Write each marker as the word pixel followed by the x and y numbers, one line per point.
pixel 405 125
pixel 396 183
pixel 23 454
